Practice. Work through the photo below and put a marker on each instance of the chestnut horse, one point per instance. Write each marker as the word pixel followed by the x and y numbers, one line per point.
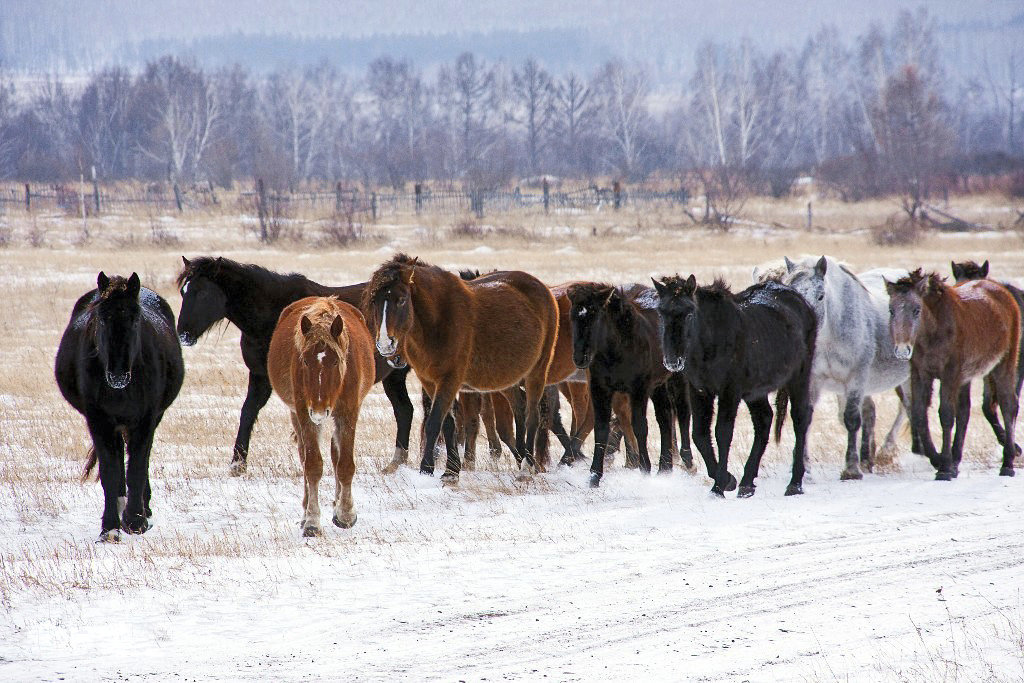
pixel 955 334
pixel 321 365
pixel 488 334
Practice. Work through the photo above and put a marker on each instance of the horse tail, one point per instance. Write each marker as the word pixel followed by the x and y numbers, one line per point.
pixel 781 403
pixel 90 464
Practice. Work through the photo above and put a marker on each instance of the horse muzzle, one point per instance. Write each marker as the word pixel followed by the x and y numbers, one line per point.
pixel 317 417
pixel 389 349
pixel 187 339
pixel 582 360
pixel 118 380
pixel 674 364
pixel 396 362
pixel 903 351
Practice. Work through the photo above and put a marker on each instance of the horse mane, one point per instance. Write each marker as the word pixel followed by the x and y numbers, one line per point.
pixel 718 290
pixel 322 313
pixel 391 272
pixel 909 282
pixel 214 266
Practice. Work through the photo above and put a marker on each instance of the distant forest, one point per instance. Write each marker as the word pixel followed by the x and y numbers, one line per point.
pixel 875 114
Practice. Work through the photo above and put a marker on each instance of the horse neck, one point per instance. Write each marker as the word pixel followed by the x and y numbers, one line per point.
pixel 254 304
pixel 431 296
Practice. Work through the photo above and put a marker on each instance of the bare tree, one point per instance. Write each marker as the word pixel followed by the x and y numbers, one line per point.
pixel 574 121
pixel 532 88
pixel 623 105
pixel 104 122
pixel 467 92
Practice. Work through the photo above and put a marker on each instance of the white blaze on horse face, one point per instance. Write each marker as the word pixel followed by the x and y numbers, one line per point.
pixel 184 288
pixel 383 339
pixel 320 358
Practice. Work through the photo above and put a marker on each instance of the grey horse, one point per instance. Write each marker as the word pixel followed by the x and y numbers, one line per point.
pixel 854 355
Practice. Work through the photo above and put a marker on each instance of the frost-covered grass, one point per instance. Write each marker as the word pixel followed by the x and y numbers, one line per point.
pixel 896 577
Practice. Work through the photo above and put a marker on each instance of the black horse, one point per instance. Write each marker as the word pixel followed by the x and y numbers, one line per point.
pixel 615 335
pixel 252 298
pixel 740 347
pixel 969 270
pixel 119 365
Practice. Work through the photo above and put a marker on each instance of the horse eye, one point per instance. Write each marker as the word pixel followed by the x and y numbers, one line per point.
pixel 917 311
pixel 820 297
pixel 401 301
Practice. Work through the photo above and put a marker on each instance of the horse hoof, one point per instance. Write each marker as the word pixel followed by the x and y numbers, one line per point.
pixel 687 460
pixel 716 491
pixel 109 536
pixel 943 476
pixel 795 490
pixel 310 531
pixel 450 479
pixel 1006 472
pixel 595 480
pixel 664 469
pixel 745 492
pixel 134 524
pixel 345 523
pixel 525 473
pixel 868 466
pixel 427 472
pixel 468 464
pixel 851 475
pixel 390 468
pixel 731 486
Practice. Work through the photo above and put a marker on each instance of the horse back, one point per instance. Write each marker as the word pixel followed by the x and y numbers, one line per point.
pixel 987 319
pixel 780 329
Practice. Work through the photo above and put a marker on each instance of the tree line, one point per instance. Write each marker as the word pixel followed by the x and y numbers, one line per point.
pixel 873 116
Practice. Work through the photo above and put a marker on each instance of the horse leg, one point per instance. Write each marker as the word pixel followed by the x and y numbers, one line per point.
pixel 989 405
pixel 663 414
pixel 1006 393
pixel 542 442
pixel 312 471
pixel 470 405
pixel 583 417
pixel 949 391
pixel 534 395
pixel 921 398
pixel 140 443
pixel 801 408
pixel 504 423
pixel 441 399
pixel 488 418
pixel 963 415
pixel 867 434
pixel 453 464
pixel 702 407
pixel 624 420
pixel 601 401
pixel 557 428
pixel 109 452
pixel 890 447
pixel 681 405
pixel 517 400
pixel 905 394
pixel 398 393
pixel 343 459
pixel 724 425
pixel 761 416
pixel 638 402
pixel 257 397
pixel 852 421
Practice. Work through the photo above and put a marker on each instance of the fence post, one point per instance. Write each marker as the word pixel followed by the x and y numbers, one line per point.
pixel 810 217
pixel 95 190
pixel 547 195
pixel 479 203
pixel 213 194
pixel 337 197
pixel 177 196
pixel 81 205
pixel 28 198
pixel 617 191
pixel 261 208
pixel 373 206
pixel 419 198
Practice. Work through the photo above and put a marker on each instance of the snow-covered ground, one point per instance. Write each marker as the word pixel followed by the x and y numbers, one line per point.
pixel 895 577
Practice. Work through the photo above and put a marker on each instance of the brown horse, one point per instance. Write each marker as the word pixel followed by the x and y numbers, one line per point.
pixel 488 334
pixel 321 364
pixel 955 334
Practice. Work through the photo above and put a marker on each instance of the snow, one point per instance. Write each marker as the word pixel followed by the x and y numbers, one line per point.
pixel 646 577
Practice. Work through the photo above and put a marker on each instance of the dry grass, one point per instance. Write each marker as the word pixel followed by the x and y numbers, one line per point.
pixel 44 440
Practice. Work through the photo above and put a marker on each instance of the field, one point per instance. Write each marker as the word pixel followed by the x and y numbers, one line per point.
pixel 895 577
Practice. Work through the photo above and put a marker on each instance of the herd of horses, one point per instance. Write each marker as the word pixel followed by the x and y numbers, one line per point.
pixel 503 348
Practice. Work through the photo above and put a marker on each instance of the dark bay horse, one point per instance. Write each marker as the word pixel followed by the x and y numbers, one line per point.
pixel 321 364
pixel 488 334
pixel 615 336
pixel 954 334
pixel 119 365
pixel 740 347
pixel 969 270
pixel 252 297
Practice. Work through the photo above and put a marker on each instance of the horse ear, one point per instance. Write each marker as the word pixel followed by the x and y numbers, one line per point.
pixel 690 286
pixel 186 262
pixel 821 266
pixel 957 270
pixel 102 281
pixel 934 284
pixel 789 264
pixel 984 268
pixel 134 285
pixel 659 287
pixel 337 327
pixel 890 287
pixel 305 325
